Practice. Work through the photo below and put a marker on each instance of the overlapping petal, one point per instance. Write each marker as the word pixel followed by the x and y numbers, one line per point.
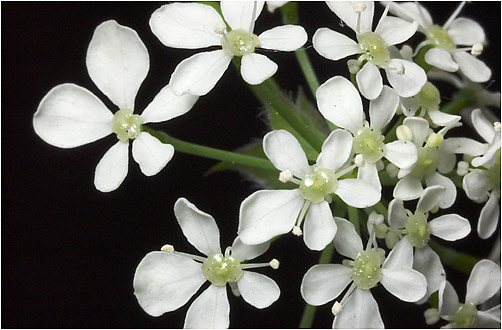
pixel 247 252
pixel 336 150
pixel 258 290
pixel 395 30
pixel 345 11
pixel 489 217
pixel 450 227
pixel 441 59
pixel 285 152
pixel 324 283
pixel 319 228
pixel 210 310
pixel 450 194
pixel 465 31
pixel 383 109
pixel 256 68
pixel 406 284
pixel 359 312
pixel 427 262
pixel 369 81
pixel 334 45
pixel 112 168
pixel 483 283
pixel 403 154
pixel 430 198
pixel 241 14
pixel 397 214
pixel 285 38
pixel 347 241
pixel 408 188
pixel 151 154
pixel 473 68
pixel 166 105
pixel 409 82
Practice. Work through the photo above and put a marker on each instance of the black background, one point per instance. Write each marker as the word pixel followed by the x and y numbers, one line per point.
pixel 69 252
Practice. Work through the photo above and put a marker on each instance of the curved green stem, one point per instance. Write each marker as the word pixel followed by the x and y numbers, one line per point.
pixel 354 218
pixel 465 98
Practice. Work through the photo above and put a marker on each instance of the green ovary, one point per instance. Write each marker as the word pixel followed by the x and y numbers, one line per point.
pixel 428 159
pixel 418 229
pixel 126 125
pixel 239 42
pixel 369 143
pixel 465 316
pixel 428 97
pixel 220 270
pixel 439 37
pixel 367 271
pixel 374 47
pixel 493 174
pixel 317 184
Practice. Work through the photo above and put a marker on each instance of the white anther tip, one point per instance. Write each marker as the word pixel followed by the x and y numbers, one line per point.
pixel 337 308
pixel 285 176
pixel 297 231
pixel 359 7
pixel 359 160
pixel 220 28
pixel 167 248
pixel 274 263
pixel 496 126
pixel 477 49
pixel 375 218
pixel 431 316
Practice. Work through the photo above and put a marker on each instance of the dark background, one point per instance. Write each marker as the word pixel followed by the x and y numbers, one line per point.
pixel 69 252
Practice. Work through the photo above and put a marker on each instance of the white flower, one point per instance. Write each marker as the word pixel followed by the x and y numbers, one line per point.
pixel 483 283
pixel 324 283
pixel 267 213
pixel 70 116
pixel 406 77
pixel 165 281
pixel 192 26
pixel 340 103
pixel 455 32
pixel 418 230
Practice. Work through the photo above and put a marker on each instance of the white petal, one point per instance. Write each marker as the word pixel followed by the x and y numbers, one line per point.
pixel 489 318
pixel 476 185
pixel 347 241
pixel 451 190
pixel 339 102
pixel 336 150
pixel 473 68
pixel 483 283
pixel 488 158
pixel 199 228
pixel 450 227
pixel 369 81
pixel 358 193
pixel 285 38
pixel 410 82
pixel 151 154
pixel 186 25
pixel 441 118
pixel 345 11
pixel 383 109
pixel 369 174
pixel 395 30
pixel 319 228
pixel 410 11
pixel 461 145
pixel 448 299
pixel 441 59
pixel 241 14
pixel 199 73
pixel 112 168
pixel 258 290
pixel 406 284
pixel 489 217
pixel 427 262
pixel 482 125
pixel 118 62
pixel 210 310
pixel 397 214
pixel 419 128
pixel 324 283
pixel 285 152
pixel 70 116
pixel 247 252
pixel 447 160
pixel 166 105
pixel 430 198
pixel 359 311
pixel 333 45
pixel 400 257
pixel 403 154
pixel 268 213
pixel 408 188
pixel 256 68
pixel 164 282
pixel 465 31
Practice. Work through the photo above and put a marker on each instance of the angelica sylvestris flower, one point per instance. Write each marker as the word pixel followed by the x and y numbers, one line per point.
pixel 406 77
pixel 267 213
pixel 193 25
pixel 70 116
pixel 166 280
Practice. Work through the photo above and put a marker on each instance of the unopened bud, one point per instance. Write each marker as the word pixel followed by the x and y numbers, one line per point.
pixel 354 66
pixel 462 168
pixel 167 248
pixel 434 140
pixel 391 239
pixel 404 133
pixel 435 208
pixel 431 316
pixel 392 170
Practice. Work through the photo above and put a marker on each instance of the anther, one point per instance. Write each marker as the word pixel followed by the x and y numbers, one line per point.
pixel 167 248
pixel 477 49
pixel 274 263
pixel 220 28
pixel 297 231
pixel 337 308
pixel 285 176
pixel 431 316
pixel 496 126
pixel 359 7
pixel 359 160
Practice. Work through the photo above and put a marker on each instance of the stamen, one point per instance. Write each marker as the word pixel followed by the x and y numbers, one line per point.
pixel 274 263
pixel 454 15
pixel 235 289
pixel 220 28
pixel 348 293
pixel 228 251
pixel 191 256
pixel 477 49
pixel 359 7
pixel 299 221
pixel 297 231
pixel 337 308
pixel 345 171
pixel 167 248
pixel 253 19
pixel 384 15
pixel 359 160
pixel 285 176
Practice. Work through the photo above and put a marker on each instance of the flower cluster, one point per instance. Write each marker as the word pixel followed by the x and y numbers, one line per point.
pixel 372 162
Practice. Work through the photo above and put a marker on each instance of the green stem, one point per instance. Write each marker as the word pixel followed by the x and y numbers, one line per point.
pixel 460 261
pixel 465 98
pixel 354 218
pixel 207 152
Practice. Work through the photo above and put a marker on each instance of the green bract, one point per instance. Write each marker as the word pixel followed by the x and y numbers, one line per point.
pixel 418 229
pixel 465 316
pixel 374 47
pixel 318 183
pixel 126 125
pixel 219 270
pixel 439 37
pixel 240 42
pixel 369 143
pixel 428 159
pixel 366 271
pixel 428 97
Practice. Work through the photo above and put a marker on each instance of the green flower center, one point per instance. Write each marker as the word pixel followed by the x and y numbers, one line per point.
pixel 126 125
pixel 374 47
pixel 418 229
pixel 239 42
pixel 428 97
pixel 428 159
pixel 493 174
pixel 367 271
pixel 465 316
pixel 318 183
pixel 439 37
pixel 219 270
pixel 369 143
